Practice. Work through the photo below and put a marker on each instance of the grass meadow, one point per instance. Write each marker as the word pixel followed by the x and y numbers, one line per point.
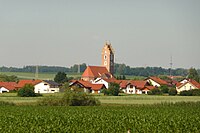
pixel 105 100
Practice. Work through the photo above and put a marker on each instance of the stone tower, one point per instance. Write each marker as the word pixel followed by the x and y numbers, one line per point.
pixel 107 57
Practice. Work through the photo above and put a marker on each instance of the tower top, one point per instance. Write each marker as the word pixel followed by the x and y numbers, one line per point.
pixel 109 46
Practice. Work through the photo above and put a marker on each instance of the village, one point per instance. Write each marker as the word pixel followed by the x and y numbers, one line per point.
pixel 97 78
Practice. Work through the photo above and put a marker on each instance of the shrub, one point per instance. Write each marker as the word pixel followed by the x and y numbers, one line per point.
pixel 194 92
pixel 164 88
pixel 113 90
pixel 155 91
pixel 71 98
pixel 27 91
pixel 172 92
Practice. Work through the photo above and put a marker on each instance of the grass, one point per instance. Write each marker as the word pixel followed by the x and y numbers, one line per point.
pixel 42 76
pixel 105 100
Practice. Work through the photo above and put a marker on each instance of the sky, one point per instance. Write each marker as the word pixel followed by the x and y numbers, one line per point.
pixel 67 32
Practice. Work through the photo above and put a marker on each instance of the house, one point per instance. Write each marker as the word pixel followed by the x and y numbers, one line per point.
pixel 93 72
pixel 46 86
pixel 156 82
pixel 40 86
pixel 7 86
pixel 135 86
pixel 87 86
pixel 106 81
pixel 187 84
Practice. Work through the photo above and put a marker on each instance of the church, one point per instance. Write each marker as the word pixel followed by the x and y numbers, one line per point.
pixel 106 70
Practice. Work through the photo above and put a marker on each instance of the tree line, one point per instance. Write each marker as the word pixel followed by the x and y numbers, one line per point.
pixel 120 69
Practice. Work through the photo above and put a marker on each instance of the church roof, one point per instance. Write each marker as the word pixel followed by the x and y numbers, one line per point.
pixel 96 71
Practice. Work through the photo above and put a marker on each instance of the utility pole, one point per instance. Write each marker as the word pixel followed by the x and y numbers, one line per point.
pixel 36 72
pixel 170 70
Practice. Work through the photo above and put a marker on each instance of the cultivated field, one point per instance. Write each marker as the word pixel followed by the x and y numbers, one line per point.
pixel 43 76
pixel 117 114
pixel 165 118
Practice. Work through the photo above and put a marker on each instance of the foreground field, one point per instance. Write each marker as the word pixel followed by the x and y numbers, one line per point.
pixel 164 118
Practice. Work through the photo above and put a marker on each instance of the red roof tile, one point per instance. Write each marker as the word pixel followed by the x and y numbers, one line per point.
pixel 138 83
pixel 159 81
pixel 96 71
pixel 22 83
pixel 8 85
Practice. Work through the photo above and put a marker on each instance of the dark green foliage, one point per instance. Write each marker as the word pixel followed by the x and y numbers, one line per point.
pixel 172 91
pixel 6 78
pixel 123 77
pixel 61 77
pixel 113 89
pixel 159 118
pixel 155 91
pixel 164 88
pixel 194 92
pixel 27 91
pixel 193 74
pixel 70 98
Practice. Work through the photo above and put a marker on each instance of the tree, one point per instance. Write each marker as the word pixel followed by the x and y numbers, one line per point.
pixel 113 89
pixel 27 91
pixel 164 88
pixel 61 77
pixel 172 91
pixel 193 74
pixel 155 91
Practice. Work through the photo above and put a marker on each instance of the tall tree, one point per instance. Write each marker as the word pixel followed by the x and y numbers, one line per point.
pixel 61 77
pixel 193 74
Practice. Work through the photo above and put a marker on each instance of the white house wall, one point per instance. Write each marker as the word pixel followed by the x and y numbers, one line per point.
pixel 43 87
pixel 3 89
pixel 152 82
pixel 101 81
pixel 187 86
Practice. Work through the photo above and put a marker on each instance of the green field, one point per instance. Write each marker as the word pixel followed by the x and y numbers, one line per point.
pixel 42 76
pixel 106 100
pixel 117 114
pixel 165 118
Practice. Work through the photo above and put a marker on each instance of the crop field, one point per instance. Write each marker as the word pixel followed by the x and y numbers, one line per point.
pixel 43 76
pixel 163 118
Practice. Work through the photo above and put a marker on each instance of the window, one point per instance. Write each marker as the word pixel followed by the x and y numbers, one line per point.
pixel 190 87
pixel 105 57
pixel 105 62
pixel 45 84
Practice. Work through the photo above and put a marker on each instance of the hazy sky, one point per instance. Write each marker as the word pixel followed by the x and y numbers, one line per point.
pixel 67 32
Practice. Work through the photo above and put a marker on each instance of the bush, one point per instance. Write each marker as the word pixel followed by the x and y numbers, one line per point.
pixel 27 91
pixel 155 91
pixel 172 92
pixel 71 98
pixel 113 90
pixel 164 88
pixel 194 92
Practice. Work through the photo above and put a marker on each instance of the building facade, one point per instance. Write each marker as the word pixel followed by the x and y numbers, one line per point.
pixel 107 57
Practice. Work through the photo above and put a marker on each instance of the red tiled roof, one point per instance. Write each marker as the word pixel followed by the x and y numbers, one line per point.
pixel 149 88
pixel 138 83
pixel 88 85
pixel 195 83
pixel 96 71
pixel 159 81
pixel 8 85
pixel 22 83
pixel 97 87
pixel 191 81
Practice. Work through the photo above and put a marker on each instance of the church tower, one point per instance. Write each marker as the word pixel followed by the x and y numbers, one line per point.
pixel 107 57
